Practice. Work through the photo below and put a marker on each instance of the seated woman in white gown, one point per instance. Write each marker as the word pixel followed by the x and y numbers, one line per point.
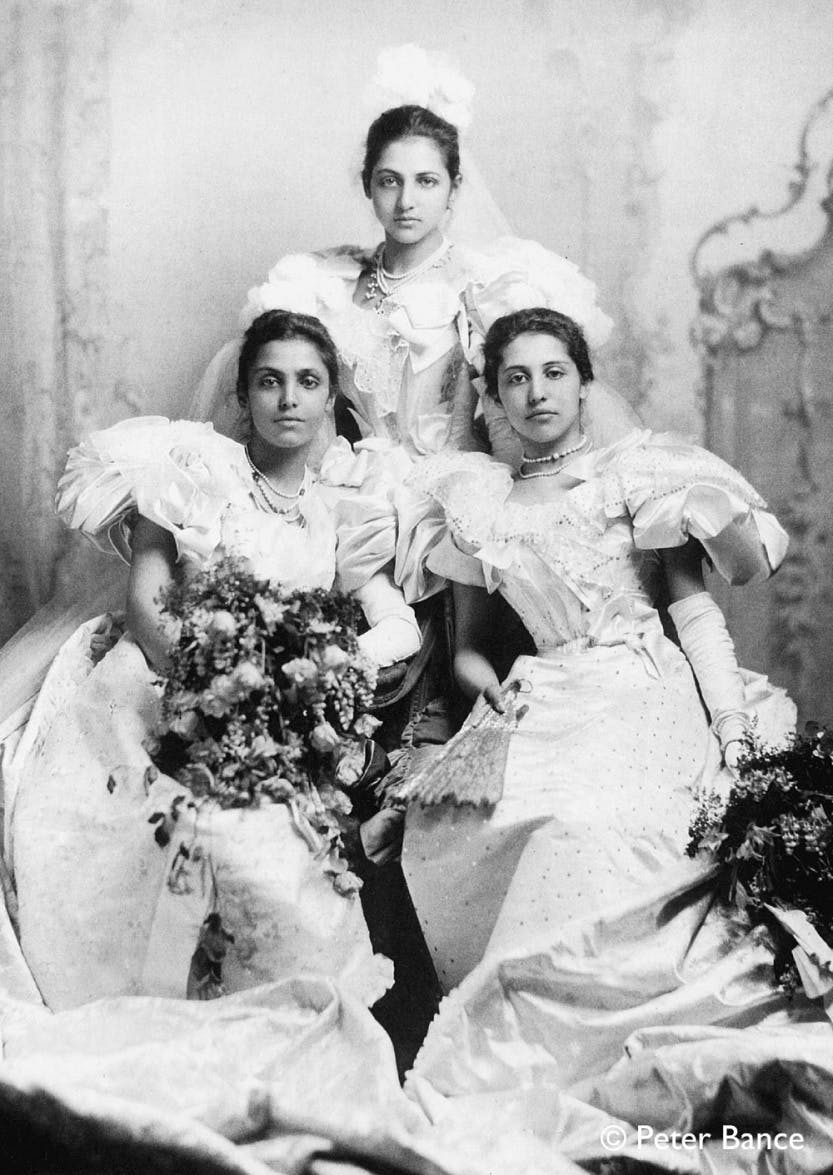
pixel 545 847
pixel 96 914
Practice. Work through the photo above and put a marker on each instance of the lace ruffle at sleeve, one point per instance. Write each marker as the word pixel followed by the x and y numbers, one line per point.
pixel 179 474
pixel 444 510
pixel 674 490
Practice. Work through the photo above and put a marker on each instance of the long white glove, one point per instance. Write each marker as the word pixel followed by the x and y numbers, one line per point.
pixel 705 640
pixel 394 633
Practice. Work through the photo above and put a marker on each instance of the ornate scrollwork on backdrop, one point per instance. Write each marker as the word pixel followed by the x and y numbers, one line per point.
pixel 764 333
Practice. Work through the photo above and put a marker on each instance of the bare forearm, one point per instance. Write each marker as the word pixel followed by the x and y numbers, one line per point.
pixel 473 611
pixel 474 673
pixel 154 633
pixel 151 572
pixel 684 571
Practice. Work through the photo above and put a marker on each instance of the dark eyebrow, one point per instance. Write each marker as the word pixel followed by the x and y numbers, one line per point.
pixel 516 367
pixel 398 174
pixel 317 371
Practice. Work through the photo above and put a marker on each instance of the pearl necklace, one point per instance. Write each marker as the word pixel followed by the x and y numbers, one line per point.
pixel 382 284
pixel 269 493
pixel 550 459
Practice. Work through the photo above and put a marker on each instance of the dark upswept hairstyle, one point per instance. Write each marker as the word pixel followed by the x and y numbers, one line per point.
pixel 409 122
pixel 280 326
pixel 540 321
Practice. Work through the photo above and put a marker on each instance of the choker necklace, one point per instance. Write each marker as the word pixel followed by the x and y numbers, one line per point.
pixel 382 284
pixel 269 493
pixel 580 443
pixel 551 459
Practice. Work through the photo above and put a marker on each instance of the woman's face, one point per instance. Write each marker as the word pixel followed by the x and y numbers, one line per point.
pixel 289 389
pixel 541 392
pixel 411 190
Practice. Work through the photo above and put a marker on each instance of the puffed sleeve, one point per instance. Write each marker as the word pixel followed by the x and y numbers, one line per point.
pixel 320 284
pixel 178 474
pixel 443 511
pixel 358 484
pixel 674 491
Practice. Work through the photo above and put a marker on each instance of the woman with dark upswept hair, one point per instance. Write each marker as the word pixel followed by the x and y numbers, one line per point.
pixel 97 917
pixel 397 312
pixel 587 960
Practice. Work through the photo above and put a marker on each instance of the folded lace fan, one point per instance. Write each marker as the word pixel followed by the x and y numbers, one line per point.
pixel 470 767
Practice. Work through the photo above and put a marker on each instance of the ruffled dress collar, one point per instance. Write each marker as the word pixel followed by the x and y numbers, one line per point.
pixel 423 317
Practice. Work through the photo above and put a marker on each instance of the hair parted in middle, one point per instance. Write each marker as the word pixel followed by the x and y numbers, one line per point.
pixel 278 326
pixel 535 320
pixel 408 122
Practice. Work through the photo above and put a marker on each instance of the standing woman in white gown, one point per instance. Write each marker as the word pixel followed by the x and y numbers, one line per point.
pixel 396 311
pixel 97 914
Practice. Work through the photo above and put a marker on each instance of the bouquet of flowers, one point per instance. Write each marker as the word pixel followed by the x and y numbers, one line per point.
pixel 774 836
pixel 267 698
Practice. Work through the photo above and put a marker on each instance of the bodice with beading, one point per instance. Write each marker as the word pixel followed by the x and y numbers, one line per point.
pixel 580 567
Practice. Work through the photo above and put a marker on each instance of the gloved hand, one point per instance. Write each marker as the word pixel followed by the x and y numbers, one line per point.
pixel 394 633
pixel 705 640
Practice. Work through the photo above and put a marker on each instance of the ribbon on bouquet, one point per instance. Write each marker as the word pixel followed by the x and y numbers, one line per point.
pixel 470 767
pixel 813 956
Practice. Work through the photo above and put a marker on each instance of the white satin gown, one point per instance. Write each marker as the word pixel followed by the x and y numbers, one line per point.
pixel 100 913
pixel 565 920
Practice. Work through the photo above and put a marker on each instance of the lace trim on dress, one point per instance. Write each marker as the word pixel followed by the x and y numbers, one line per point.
pixel 615 482
pixel 366 342
pixel 471 489
pixel 646 467
pixel 371 344
pixel 375 353
pixel 667 488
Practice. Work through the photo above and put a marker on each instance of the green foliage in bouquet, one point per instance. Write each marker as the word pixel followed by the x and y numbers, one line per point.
pixel 774 836
pixel 267 697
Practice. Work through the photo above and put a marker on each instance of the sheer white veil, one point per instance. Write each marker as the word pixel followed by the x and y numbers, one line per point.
pixel 407 75
pixel 215 396
pixel 477 219
pixel 404 75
